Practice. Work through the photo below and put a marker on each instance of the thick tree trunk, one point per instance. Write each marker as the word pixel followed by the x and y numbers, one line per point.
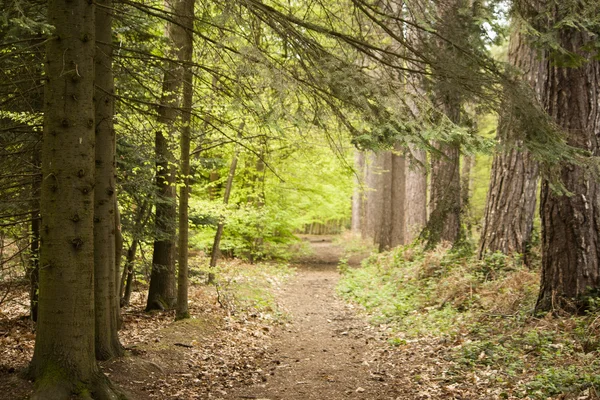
pixel 571 223
pixel 187 19
pixel 105 294
pixel 455 25
pixel 415 205
pixel 374 195
pixel 64 361
pixel 385 183
pixel 511 198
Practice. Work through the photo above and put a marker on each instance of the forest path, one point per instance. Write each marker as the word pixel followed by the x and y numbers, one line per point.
pixel 326 350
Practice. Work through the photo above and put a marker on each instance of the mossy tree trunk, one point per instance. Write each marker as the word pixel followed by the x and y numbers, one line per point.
pixel 64 363
pixel 105 212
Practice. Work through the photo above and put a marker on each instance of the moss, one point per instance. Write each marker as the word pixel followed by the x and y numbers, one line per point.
pixel 50 375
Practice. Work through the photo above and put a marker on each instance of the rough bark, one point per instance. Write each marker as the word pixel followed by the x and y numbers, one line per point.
pixel 105 294
pixel 511 198
pixel 64 361
pixel 571 223
pixel 187 19
pixel 415 205
pixel 384 224
pixel 34 264
pixel 444 217
pixel 162 291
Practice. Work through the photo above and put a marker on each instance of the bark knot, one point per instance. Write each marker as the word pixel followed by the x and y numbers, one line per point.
pixel 77 243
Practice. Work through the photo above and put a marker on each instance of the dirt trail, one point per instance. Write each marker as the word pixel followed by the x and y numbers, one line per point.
pixel 325 351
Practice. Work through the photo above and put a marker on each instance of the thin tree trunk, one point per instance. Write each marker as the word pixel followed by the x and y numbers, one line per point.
pixel 511 198
pixel 142 214
pixel 398 198
pixel 465 193
pixel 105 294
pixel 64 360
pixel 162 292
pixel 214 255
pixel 383 236
pixel 116 300
pixel 187 52
pixel 358 195
pixel 128 272
pixel 571 223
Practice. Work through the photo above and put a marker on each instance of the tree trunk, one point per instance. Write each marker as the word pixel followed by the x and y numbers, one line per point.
pixel 385 199
pixel 128 272
pixel 465 193
pixel 374 196
pixel 187 19
pixel 116 300
pixel 358 195
pixel 105 294
pixel 64 362
pixel 34 266
pixel 214 254
pixel 444 218
pixel 384 223
pixel 415 205
pixel 162 292
pixel 571 223
pixel 398 198
pixel 511 198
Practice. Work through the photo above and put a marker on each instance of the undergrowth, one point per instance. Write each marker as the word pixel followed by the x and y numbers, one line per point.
pixel 482 311
pixel 243 287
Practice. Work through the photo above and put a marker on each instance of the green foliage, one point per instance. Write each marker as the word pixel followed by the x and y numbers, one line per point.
pixel 250 233
pixel 557 380
pixel 482 310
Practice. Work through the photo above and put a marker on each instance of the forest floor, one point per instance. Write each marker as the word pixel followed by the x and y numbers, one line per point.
pixel 266 333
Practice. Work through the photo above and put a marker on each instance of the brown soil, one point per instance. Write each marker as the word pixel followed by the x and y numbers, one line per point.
pixel 326 351
pixel 322 348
